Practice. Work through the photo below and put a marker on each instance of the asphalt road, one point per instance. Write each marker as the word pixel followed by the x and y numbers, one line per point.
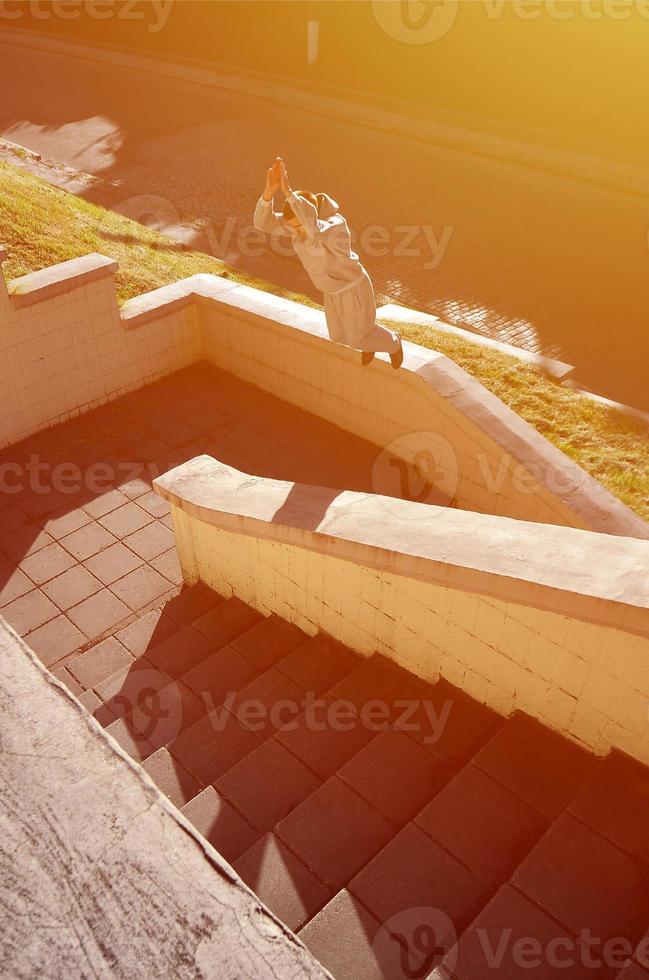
pixel 546 262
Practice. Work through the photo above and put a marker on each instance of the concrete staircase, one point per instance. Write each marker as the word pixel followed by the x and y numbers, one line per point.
pixel 383 818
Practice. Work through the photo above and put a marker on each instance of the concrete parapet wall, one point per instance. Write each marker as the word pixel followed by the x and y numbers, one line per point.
pixel 66 347
pixel 552 621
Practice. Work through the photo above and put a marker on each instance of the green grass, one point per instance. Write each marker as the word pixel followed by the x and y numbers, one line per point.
pixel 41 225
pixel 611 446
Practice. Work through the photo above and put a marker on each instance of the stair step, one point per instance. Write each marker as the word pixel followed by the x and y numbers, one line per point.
pixel 324 740
pixel 615 802
pixel 268 641
pixel 213 745
pixel 220 824
pixel 171 778
pixel 163 715
pixel 281 881
pixel 180 652
pixel 267 785
pixel 226 621
pixel 319 663
pixel 490 838
pixel 509 910
pixel 584 881
pixel 395 775
pixel 334 832
pixel 413 871
pixel 343 938
pixel 538 765
pixel 192 603
pixel 224 672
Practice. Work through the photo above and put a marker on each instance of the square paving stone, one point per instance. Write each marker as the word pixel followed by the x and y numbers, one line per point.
pixel 538 765
pixel 319 662
pixel 113 563
pixel 162 715
pixel 341 937
pixel 100 662
pixel 483 824
pixel 267 785
pixel 191 604
pixel 88 541
pixel 220 824
pixel 334 832
pixel 168 564
pixel 154 504
pixel 267 703
pixel 268 641
pixel 223 673
pixel 412 871
pixel 72 587
pixel 150 541
pixel 227 621
pixel 99 613
pixel 47 563
pixel 13 583
pixel 213 745
pixel 104 504
pixel 65 522
pixel 325 736
pixel 513 939
pixel 146 632
pixel 171 778
pixel 55 640
pixel 585 882
pixel 141 587
pixel 615 801
pixel 395 775
pixel 125 520
pixel 29 612
pixel 180 652
pixel 281 881
pixel 25 541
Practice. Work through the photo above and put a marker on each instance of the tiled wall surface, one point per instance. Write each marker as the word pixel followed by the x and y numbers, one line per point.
pixel 68 353
pixel 589 681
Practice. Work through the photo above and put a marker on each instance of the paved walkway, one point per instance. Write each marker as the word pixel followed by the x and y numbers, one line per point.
pixel 545 262
pixel 87 546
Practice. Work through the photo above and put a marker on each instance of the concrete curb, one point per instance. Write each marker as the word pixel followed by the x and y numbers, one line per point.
pixel 357 110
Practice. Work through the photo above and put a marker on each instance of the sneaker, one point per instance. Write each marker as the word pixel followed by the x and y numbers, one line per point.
pixel 397 358
pixel 367 357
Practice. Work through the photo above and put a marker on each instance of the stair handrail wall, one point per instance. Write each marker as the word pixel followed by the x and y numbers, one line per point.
pixel 552 621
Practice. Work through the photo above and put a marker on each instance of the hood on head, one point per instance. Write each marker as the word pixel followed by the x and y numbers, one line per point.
pixel 327 207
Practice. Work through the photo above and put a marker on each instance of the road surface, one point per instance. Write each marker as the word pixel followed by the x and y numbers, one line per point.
pixel 543 261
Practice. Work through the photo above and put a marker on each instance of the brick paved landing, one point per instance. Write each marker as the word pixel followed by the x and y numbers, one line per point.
pixel 85 543
pixel 393 851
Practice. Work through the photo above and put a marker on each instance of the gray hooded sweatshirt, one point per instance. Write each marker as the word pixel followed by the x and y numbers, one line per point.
pixel 325 251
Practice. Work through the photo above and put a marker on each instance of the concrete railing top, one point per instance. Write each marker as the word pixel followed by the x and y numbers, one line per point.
pixel 57 279
pixel 580 574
